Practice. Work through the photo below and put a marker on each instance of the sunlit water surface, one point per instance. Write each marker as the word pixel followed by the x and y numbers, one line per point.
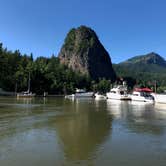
pixel 58 131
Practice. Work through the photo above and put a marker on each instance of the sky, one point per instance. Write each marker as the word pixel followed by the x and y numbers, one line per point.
pixel 126 28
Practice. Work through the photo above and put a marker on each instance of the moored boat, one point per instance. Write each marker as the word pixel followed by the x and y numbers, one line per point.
pixel 118 93
pixel 25 94
pixel 28 93
pixel 80 93
pixel 99 96
pixel 142 95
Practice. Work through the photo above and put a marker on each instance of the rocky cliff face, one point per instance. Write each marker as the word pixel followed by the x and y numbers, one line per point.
pixel 83 52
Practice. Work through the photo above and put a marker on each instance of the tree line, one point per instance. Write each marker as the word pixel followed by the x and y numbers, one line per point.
pixel 151 76
pixel 49 75
pixel 46 75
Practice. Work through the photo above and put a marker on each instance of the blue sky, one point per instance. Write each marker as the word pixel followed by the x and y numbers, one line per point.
pixel 125 27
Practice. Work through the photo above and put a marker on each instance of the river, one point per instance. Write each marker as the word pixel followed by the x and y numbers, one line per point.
pixel 84 132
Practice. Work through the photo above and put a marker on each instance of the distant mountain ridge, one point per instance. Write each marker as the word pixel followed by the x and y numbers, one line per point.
pixel 145 69
pixel 151 58
pixel 149 63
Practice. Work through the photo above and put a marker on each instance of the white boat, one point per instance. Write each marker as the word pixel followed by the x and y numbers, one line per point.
pixel 69 96
pixel 159 98
pixel 99 96
pixel 26 93
pixel 80 93
pixel 142 95
pixel 118 93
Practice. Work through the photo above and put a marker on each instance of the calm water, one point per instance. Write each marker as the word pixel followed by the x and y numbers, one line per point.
pixel 57 131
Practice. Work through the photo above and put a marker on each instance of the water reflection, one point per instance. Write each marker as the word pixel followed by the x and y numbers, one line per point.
pixel 138 117
pixel 142 118
pixel 21 115
pixel 117 108
pixel 57 131
pixel 160 107
pixel 84 129
pixel 142 110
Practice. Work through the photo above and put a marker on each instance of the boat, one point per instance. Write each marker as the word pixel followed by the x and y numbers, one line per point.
pixel 119 93
pixel 159 98
pixel 99 96
pixel 25 94
pixel 142 95
pixel 28 93
pixel 69 96
pixel 80 93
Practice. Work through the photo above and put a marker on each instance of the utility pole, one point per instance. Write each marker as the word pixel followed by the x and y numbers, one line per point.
pixel 155 86
pixel 16 89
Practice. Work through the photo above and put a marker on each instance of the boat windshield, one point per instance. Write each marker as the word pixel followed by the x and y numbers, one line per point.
pixel 113 91
pixel 80 91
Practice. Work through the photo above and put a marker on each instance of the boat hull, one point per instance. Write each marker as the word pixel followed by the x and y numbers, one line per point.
pixel 19 95
pixel 142 99
pixel 86 94
pixel 98 97
pixel 81 95
pixel 117 96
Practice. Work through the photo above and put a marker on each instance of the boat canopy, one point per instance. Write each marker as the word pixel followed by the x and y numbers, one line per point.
pixel 143 90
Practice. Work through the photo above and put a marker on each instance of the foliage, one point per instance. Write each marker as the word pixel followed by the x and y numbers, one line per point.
pixel 85 39
pixel 103 86
pixel 47 74
pixel 70 40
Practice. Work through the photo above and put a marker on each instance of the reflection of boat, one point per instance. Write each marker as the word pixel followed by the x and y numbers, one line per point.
pixel 99 96
pixel 26 93
pixel 139 108
pixel 143 95
pixel 160 98
pixel 80 93
pixel 143 118
pixel 160 107
pixel 119 93
pixel 117 108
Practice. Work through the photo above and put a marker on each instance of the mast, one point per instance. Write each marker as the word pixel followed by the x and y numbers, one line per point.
pixel 29 81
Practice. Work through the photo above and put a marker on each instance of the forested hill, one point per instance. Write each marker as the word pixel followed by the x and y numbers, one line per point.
pixel 146 69
pixel 151 58
pixel 151 62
